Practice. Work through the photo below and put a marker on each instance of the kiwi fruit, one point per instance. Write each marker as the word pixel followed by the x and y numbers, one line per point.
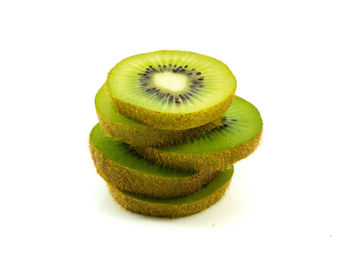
pixel 120 166
pixel 173 90
pixel 179 207
pixel 136 133
pixel 236 138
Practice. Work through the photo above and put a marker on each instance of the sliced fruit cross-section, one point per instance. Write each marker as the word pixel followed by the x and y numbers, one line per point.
pixel 235 139
pixel 179 207
pixel 121 167
pixel 174 90
pixel 136 133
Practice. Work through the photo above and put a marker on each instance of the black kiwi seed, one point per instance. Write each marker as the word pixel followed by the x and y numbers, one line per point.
pixel 225 122
pixel 223 126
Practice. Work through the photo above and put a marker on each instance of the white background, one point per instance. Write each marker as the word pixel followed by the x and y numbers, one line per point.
pixel 291 59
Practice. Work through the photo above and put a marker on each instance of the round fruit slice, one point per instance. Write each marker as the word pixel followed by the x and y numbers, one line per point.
pixel 174 90
pixel 235 139
pixel 138 134
pixel 179 207
pixel 121 167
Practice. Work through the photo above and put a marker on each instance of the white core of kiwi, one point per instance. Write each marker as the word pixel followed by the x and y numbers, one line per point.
pixel 171 81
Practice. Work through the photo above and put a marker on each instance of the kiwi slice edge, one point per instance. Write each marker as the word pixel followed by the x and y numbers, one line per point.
pixel 179 207
pixel 121 167
pixel 237 137
pixel 136 133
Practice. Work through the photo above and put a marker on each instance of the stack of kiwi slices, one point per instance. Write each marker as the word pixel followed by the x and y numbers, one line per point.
pixel 170 129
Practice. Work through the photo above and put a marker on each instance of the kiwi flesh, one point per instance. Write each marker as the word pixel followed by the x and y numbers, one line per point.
pixel 136 133
pixel 236 138
pixel 174 90
pixel 178 207
pixel 120 166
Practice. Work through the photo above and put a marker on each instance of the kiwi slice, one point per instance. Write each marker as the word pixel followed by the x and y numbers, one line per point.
pixel 121 167
pixel 178 207
pixel 236 138
pixel 173 90
pixel 138 134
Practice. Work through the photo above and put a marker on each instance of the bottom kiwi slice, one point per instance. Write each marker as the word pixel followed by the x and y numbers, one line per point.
pixel 121 167
pixel 180 207
pixel 236 138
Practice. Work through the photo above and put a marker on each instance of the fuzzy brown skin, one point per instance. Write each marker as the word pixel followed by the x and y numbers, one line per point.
pixel 212 161
pixel 166 210
pixel 145 136
pixel 136 182
pixel 170 121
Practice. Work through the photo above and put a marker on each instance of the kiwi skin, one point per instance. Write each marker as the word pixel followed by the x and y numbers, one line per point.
pixel 145 136
pixel 156 209
pixel 211 161
pixel 152 137
pixel 169 121
pixel 130 180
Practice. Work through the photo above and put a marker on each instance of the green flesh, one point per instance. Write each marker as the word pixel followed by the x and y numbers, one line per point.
pixel 247 126
pixel 218 84
pixel 105 106
pixel 120 153
pixel 219 181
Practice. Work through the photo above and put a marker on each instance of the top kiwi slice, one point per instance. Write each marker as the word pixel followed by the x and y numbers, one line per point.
pixel 237 137
pixel 173 90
